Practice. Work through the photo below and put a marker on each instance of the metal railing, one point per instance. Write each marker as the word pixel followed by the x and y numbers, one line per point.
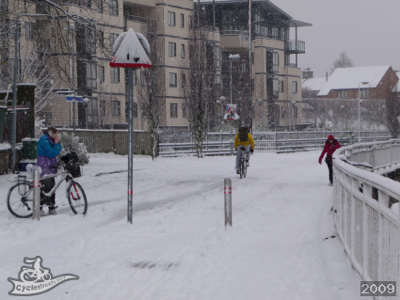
pixel 244 35
pixel 363 206
pixel 293 46
pixel 221 143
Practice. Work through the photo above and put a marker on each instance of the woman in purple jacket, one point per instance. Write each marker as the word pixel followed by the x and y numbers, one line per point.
pixel 48 148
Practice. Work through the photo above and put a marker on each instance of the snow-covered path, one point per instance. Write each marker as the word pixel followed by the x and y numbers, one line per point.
pixel 177 246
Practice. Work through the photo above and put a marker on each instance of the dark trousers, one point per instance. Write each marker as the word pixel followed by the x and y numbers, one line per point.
pixel 328 161
pixel 47 185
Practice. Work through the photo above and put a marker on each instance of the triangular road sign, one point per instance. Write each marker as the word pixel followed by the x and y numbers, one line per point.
pixel 130 53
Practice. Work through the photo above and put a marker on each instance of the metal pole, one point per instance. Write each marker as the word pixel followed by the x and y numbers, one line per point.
pixel 73 75
pixel 36 194
pixel 230 78
pixel 359 115
pixel 14 107
pixel 228 201
pixel 130 146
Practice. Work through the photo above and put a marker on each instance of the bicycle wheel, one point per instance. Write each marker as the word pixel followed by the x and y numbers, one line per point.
pixel 20 200
pixel 77 198
pixel 241 168
pixel 245 170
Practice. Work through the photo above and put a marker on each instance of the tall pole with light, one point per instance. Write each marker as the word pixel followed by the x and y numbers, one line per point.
pixel 14 106
pixel 359 109
pixel 231 57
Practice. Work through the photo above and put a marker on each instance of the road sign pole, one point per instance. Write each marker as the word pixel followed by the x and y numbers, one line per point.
pixel 130 146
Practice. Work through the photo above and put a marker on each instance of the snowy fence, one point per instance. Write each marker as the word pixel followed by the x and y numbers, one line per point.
pixel 365 209
pixel 221 143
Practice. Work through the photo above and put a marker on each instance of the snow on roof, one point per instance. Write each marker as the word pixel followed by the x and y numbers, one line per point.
pixel 349 78
pixel 314 84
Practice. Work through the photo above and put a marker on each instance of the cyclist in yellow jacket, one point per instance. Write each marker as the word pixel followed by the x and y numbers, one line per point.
pixel 243 140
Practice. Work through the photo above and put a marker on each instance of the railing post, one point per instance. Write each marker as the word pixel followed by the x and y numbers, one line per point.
pixel 36 194
pixel 231 147
pixel 228 201
pixel 367 192
pixel 276 141
pixel 383 200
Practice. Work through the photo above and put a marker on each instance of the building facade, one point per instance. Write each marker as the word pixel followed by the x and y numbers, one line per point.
pixel 75 57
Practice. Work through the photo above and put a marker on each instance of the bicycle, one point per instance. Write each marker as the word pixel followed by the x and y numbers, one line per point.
pixel 243 165
pixel 20 195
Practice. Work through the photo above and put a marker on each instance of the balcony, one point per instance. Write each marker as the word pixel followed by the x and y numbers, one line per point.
pixel 294 47
pixel 234 38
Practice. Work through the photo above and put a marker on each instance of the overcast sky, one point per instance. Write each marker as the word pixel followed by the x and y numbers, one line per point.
pixel 368 31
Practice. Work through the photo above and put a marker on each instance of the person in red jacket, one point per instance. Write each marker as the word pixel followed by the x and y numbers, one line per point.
pixel 330 146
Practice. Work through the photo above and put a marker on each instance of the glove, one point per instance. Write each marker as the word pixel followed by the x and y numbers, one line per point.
pixel 251 150
pixel 320 160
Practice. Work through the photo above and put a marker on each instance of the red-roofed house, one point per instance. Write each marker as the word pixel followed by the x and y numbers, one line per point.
pixel 373 82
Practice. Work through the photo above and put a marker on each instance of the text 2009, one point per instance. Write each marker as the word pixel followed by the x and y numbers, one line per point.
pixel 377 288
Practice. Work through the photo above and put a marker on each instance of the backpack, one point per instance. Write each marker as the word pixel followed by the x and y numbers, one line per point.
pixel 243 134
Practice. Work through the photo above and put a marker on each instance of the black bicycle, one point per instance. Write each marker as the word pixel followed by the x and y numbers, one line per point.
pixel 20 195
pixel 243 164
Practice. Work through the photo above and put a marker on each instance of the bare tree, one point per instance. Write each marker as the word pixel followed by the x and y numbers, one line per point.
pixel 344 61
pixel 152 87
pixel 198 84
pixel 393 112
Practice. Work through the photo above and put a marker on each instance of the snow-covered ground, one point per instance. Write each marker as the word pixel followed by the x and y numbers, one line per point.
pixel 177 247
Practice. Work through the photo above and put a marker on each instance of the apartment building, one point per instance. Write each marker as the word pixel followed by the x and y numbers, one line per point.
pixel 82 63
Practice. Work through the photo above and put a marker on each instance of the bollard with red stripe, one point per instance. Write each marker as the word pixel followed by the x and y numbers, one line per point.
pixel 228 201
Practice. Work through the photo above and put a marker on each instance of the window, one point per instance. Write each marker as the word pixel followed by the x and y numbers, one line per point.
pixel 92 112
pixel 275 62
pixel 190 22
pixel 173 110
pixel 342 94
pixel 282 86
pixel 217 79
pixel 42 7
pixel 172 79
pixel 172 49
pixel 48 118
pixel 29 31
pixel 114 7
pixel 100 6
pixel 183 51
pixel 114 75
pixel 217 57
pixel 275 87
pixel 294 87
pixel 101 74
pixel 134 112
pixel 183 80
pixel 113 38
pixel 91 76
pixel 143 77
pixel 115 108
pixel 101 38
pixel 364 93
pixel 4 6
pixel 184 110
pixel 86 37
pixel 102 108
pixel 171 18
pixel 182 20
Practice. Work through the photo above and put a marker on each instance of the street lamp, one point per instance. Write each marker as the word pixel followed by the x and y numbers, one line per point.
pixel 71 28
pixel 14 107
pixel 359 109
pixel 220 100
pixel 232 57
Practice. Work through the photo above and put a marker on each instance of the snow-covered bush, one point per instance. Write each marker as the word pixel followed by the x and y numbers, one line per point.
pixel 71 143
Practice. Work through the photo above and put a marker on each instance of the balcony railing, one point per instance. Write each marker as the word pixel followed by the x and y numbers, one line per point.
pixel 296 47
pixel 244 35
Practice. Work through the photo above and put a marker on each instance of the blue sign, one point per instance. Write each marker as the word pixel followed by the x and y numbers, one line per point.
pixel 74 98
